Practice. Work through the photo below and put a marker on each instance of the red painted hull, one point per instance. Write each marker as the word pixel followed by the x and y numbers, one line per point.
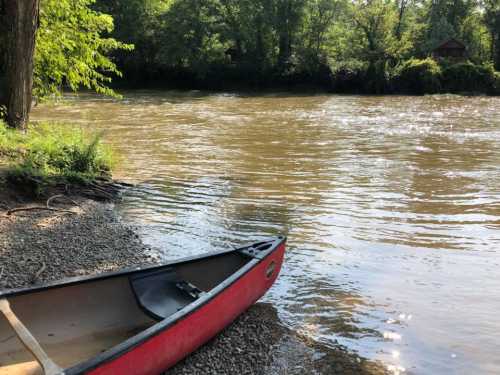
pixel 168 347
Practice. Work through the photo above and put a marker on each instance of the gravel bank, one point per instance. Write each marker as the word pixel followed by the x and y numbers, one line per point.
pixel 38 246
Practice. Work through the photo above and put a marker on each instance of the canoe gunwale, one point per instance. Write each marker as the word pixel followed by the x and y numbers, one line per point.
pixel 68 281
pixel 159 327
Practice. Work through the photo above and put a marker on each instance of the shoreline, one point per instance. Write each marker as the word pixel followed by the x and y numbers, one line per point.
pixel 38 246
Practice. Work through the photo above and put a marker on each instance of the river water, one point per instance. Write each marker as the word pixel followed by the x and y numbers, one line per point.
pixel 391 206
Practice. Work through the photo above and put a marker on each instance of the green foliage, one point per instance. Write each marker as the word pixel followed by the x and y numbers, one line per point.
pixel 71 49
pixel 375 21
pixel 370 45
pixel 137 22
pixel 54 153
pixel 189 38
pixel 468 77
pixel 261 42
pixel 418 76
pixel 492 22
pixel 474 34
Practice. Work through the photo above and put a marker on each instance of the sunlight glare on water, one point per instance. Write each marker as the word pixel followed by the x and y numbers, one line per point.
pixel 391 205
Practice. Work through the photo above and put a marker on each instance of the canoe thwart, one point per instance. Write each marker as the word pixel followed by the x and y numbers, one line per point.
pixel 25 336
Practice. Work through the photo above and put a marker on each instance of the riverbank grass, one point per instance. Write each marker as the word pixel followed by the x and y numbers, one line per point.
pixel 50 153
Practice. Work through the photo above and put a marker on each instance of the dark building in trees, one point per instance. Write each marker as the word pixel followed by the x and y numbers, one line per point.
pixel 451 49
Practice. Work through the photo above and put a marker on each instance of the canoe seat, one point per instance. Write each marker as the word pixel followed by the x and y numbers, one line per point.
pixel 161 293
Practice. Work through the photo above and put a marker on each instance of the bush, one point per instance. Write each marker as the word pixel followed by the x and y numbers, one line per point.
pixel 418 77
pixel 51 153
pixel 348 76
pixel 468 77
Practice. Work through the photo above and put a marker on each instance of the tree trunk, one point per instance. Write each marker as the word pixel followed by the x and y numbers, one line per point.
pixel 3 42
pixel 284 49
pixel 22 19
pixel 402 9
pixel 283 29
pixel 496 49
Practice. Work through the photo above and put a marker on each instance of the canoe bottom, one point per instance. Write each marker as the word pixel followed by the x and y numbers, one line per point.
pixel 69 352
pixel 24 368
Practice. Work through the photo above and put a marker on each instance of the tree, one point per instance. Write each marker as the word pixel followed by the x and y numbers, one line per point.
pixel 72 49
pixel 136 22
pixel 492 21
pixel 402 5
pixel 189 38
pixel 3 43
pixel 288 19
pixel 376 21
pixel 318 20
pixel 21 24
pixel 445 19
pixel 247 26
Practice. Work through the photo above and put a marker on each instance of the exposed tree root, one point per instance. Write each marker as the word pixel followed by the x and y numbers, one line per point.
pixel 57 196
pixel 42 208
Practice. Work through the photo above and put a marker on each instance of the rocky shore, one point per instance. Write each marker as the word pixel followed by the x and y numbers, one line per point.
pixel 41 245
pixel 257 343
pixel 83 237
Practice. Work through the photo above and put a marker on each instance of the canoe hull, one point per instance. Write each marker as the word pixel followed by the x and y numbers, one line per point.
pixel 166 348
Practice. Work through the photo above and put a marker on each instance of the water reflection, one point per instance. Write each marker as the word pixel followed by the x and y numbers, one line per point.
pixel 391 204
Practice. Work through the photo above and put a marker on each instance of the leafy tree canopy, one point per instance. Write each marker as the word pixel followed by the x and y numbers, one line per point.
pixel 72 48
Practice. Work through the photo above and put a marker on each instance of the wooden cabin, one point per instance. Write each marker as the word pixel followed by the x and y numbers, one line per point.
pixel 451 49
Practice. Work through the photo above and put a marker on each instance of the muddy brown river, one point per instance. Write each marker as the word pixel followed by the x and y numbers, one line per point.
pixel 391 205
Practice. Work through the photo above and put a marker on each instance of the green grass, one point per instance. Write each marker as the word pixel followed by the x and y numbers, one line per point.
pixel 50 153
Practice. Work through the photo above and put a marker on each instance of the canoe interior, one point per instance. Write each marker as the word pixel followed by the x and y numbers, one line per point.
pixel 76 322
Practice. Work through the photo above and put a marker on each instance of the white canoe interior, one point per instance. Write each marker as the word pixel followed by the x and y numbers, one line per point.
pixel 75 323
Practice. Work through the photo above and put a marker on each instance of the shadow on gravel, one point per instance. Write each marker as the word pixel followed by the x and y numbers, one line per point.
pixel 257 343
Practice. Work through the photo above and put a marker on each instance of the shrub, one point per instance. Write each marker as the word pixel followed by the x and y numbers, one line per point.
pixel 418 76
pixel 348 76
pixel 51 153
pixel 468 77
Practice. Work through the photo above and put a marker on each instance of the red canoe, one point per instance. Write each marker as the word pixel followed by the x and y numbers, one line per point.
pixel 139 321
